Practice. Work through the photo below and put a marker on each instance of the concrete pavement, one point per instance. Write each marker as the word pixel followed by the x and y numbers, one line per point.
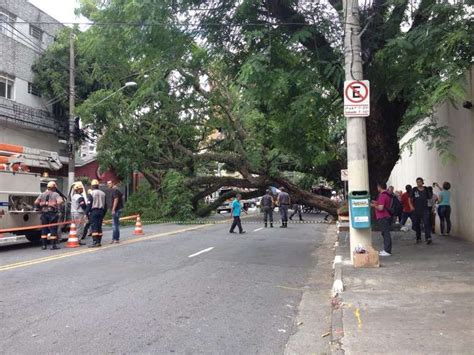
pixel 419 302
pixel 200 290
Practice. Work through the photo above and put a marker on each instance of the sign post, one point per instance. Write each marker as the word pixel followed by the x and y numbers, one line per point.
pixel 356 109
pixel 356 98
pixel 345 179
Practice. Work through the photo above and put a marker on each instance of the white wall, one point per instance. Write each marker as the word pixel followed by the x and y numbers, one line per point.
pixel 10 134
pixel 23 97
pixel 459 172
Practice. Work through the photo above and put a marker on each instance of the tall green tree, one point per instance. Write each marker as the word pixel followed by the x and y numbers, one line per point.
pixel 415 55
pixel 255 87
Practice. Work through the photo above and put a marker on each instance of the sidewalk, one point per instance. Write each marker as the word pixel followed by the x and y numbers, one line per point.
pixel 420 301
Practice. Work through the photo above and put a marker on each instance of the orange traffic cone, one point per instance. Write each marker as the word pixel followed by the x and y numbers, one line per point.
pixel 138 227
pixel 72 241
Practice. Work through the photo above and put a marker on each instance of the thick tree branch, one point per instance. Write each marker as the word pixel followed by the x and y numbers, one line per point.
pixel 228 181
pixel 245 196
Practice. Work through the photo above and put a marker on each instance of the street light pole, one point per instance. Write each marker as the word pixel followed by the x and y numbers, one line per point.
pixel 72 104
pixel 357 162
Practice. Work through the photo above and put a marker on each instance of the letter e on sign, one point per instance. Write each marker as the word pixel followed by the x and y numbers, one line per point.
pixel 356 98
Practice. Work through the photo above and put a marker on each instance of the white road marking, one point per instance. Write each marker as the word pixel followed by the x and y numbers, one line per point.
pixel 200 252
pixel 258 229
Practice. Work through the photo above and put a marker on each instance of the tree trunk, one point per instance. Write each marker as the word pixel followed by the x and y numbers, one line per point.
pixel 382 143
pixel 261 183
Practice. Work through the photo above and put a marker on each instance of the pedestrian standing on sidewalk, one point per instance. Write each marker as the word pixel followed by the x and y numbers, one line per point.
pixel 383 217
pixel 267 207
pixel 78 209
pixel 398 195
pixel 236 210
pixel 444 207
pixel 284 202
pixel 432 208
pixel 419 202
pixel 407 208
pixel 116 209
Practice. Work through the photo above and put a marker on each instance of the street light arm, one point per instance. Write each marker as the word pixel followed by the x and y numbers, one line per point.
pixel 128 84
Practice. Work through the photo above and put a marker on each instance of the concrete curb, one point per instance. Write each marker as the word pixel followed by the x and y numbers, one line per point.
pixel 337 328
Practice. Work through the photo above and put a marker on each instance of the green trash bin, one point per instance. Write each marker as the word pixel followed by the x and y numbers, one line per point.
pixel 359 209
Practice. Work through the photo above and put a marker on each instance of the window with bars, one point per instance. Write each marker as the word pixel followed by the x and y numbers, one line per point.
pixel 6 87
pixel 36 32
pixel 33 90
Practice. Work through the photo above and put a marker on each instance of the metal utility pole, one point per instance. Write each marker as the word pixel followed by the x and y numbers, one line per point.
pixel 356 131
pixel 72 104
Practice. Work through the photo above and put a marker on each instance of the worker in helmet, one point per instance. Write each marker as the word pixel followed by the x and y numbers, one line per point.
pixel 49 203
pixel 88 222
pixel 96 212
pixel 78 208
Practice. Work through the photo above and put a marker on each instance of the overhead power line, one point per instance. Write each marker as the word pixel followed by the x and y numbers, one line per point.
pixel 186 25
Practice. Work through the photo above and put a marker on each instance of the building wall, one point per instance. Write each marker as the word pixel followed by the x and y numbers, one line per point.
pixel 10 134
pixel 25 119
pixel 92 171
pixel 459 172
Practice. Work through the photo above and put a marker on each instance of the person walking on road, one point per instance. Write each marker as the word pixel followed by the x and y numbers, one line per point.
pixel 78 209
pixel 267 206
pixel 284 202
pixel 49 203
pixel 96 212
pixel 236 210
pixel 117 206
pixel 444 207
pixel 419 202
pixel 296 209
pixel 383 217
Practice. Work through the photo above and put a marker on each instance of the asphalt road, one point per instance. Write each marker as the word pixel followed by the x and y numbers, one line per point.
pixel 185 289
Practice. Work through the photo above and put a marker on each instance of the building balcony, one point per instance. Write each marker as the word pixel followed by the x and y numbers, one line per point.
pixel 32 118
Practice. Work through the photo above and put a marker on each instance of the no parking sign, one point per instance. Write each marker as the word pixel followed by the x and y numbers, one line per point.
pixel 356 98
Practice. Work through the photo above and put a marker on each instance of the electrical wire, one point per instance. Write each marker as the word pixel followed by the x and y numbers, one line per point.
pixel 185 25
pixel 35 47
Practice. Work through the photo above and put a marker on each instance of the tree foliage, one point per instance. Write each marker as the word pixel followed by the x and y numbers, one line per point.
pixel 255 86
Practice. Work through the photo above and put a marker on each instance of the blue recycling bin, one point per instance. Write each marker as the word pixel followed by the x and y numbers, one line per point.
pixel 359 209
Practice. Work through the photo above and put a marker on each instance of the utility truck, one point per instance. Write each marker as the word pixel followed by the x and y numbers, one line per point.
pixel 19 188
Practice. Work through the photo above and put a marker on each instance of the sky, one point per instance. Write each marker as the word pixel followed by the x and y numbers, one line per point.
pixel 61 10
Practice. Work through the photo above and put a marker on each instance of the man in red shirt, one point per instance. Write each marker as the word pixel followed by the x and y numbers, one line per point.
pixel 383 217
pixel 407 208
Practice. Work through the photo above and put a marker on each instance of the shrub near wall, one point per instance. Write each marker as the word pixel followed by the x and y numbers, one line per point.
pixel 143 202
pixel 174 202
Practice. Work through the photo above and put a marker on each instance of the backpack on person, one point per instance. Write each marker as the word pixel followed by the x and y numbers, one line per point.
pixel 395 208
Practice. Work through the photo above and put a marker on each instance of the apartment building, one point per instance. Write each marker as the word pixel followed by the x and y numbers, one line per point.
pixel 26 117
